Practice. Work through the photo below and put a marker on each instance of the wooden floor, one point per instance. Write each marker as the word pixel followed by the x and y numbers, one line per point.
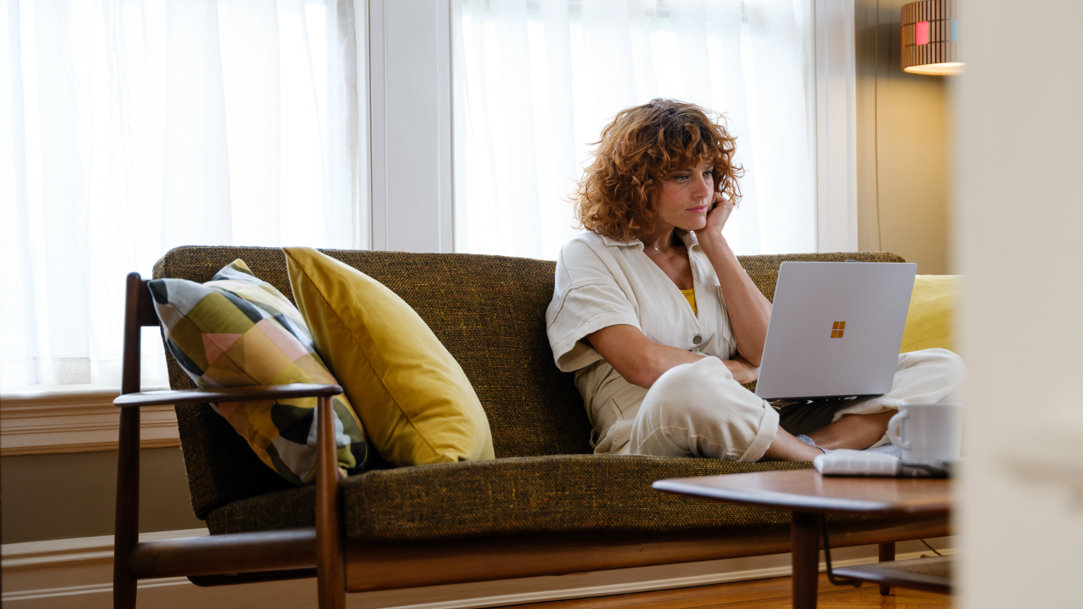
pixel 758 594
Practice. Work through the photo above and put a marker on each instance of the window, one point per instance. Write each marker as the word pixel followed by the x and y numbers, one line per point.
pixel 132 127
pixel 535 82
pixel 135 126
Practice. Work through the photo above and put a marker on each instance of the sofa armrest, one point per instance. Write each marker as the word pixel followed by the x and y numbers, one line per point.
pixel 265 550
pixel 225 394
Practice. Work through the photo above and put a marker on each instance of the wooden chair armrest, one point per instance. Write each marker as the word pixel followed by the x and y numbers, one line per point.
pixel 225 394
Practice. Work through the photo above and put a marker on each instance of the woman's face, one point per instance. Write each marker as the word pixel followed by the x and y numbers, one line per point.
pixel 684 197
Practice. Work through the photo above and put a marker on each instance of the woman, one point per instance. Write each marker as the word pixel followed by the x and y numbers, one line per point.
pixel 662 326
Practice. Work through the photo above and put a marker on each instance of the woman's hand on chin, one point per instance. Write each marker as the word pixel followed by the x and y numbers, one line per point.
pixel 717 217
pixel 721 211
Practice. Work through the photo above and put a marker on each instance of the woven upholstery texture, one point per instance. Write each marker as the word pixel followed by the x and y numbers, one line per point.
pixel 513 496
pixel 489 312
pixel 764 269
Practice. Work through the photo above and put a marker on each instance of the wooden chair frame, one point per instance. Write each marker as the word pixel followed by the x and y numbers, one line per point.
pixel 342 565
pixel 262 555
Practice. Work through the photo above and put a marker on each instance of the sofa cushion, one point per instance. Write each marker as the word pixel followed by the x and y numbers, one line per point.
pixel 239 330
pixel 930 322
pixel 562 494
pixel 416 403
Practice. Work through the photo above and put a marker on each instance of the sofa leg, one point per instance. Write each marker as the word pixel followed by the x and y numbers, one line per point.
pixel 332 589
pixel 126 524
pixel 124 594
pixel 330 563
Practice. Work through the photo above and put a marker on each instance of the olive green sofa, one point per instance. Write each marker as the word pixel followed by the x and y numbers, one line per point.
pixel 545 505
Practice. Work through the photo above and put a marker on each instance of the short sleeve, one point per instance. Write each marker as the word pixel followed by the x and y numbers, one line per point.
pixel 587 297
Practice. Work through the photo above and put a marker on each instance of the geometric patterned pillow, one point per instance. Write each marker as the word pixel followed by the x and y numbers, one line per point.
pixel 239 330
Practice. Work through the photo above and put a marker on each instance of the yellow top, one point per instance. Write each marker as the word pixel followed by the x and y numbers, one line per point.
pixel 690 294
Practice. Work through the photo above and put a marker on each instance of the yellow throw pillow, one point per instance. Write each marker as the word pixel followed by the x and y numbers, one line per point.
pixel 930 321
pixel 414 400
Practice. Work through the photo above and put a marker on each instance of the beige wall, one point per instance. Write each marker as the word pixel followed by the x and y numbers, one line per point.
pixel 72 495
pixel 903 151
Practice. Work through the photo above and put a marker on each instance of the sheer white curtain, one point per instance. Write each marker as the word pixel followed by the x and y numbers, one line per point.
pixel 132 126
pixel 536 80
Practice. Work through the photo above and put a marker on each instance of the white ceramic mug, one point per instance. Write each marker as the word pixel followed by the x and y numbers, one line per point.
pixel 927 432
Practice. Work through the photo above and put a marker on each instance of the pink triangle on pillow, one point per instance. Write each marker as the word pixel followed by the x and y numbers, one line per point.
pixel 214 345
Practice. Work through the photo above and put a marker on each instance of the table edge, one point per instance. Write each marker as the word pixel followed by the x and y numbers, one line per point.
pixel 796 503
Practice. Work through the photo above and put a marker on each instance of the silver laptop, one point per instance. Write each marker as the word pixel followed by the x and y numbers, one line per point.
pixel 835 329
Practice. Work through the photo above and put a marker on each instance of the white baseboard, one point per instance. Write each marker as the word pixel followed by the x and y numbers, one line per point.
pixel 77 573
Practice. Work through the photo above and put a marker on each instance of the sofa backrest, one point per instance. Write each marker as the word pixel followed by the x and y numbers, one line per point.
pixel 488 311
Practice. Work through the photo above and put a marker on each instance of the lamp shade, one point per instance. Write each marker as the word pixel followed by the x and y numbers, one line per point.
pixel 930 34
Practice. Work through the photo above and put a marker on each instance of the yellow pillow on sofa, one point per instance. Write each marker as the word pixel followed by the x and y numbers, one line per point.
pixel 414 400
pixel 930 321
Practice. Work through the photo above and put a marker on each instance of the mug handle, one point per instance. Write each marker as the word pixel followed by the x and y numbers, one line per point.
pixel 893 431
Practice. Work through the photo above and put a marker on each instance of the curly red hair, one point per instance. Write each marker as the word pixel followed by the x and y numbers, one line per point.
pixel 641 146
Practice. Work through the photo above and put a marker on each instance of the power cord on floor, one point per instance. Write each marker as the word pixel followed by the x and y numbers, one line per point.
pixel 934 550
pixel 838 581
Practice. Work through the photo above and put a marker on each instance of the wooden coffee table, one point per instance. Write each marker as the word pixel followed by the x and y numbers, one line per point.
pixel 810 496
